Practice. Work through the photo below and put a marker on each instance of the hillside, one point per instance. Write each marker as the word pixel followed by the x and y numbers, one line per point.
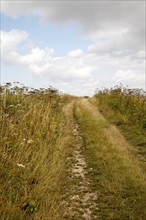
pixel 73 158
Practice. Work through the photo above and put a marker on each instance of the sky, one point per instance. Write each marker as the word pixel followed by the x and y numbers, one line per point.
pixel 74 46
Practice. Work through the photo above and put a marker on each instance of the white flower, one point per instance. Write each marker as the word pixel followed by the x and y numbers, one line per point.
pixel 20 165
pixel 30 141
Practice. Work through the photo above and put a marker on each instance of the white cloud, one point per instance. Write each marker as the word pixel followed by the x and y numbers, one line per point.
pixel 80 66
pixel 75 53
pixel 129 77
pixel 42 61
pixel 10 40
pixel 117 46
pixel 89 15
pixel 38 56
pixel 108 41
pixel 113 18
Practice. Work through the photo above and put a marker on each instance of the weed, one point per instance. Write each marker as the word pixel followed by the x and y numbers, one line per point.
pixel 126 108
pixel 32 152
pixel 116 172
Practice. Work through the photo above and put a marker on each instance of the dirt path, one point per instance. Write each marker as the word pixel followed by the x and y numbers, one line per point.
pixel 99 177
pixel 81 203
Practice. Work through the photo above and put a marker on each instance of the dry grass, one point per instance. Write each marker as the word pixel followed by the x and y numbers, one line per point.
pixel 116 172
pixel 37 142
pixel 127 110
pixel 33 149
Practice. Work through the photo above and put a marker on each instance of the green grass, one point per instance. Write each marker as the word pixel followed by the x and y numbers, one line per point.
pixel 37 145
pixel 116 173
pixel 127 110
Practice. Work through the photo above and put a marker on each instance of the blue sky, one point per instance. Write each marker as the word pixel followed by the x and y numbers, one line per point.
pixel 75 46
pixel 63 38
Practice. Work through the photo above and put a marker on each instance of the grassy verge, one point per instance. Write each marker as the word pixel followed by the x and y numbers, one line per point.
pixel 128 112
pixel 33 153
pixel 114 170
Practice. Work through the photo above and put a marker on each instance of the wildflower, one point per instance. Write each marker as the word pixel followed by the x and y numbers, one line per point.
pixel 30 141
pixel 24 139
pixel 20 165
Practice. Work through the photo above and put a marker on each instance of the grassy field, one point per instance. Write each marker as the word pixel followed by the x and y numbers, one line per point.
pixel 32 153
pixel 62 159
pixel 126 109
pixel 113 167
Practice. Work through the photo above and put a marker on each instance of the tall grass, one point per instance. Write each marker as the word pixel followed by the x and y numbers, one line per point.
pixel 31 163
pixel 127 109
pixel 128 102
pixel 115 173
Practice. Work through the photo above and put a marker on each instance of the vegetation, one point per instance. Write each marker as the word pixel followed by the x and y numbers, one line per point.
pixel 126 108
pixel 114 170
pixel 61 159
pixel 32 152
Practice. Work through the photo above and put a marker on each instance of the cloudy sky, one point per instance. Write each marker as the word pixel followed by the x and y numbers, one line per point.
pixel 75 46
